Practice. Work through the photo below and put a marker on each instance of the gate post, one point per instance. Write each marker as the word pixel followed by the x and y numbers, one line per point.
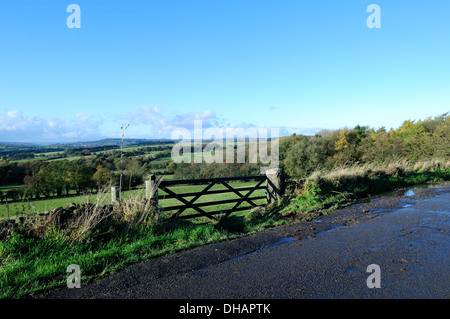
pixel 149 185
pixel 115 195
pixel 275 184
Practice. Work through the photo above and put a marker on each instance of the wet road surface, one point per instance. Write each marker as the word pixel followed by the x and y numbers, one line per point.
pixel 407 236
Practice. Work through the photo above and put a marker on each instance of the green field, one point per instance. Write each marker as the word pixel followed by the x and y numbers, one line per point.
pixel 40 206
pixel 6 188
pixel 212 197
pixel 70 158
pixel 47 156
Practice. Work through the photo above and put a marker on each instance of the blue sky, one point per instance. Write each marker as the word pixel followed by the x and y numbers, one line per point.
pixel 300 66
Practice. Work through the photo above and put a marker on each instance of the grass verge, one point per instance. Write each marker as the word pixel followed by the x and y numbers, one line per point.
pixel 325 191
pixel 34 259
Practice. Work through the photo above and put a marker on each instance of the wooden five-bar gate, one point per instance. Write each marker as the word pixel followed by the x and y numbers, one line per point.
pixel 244 195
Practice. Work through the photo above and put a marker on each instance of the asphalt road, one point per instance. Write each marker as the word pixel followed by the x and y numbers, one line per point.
pixel 406 235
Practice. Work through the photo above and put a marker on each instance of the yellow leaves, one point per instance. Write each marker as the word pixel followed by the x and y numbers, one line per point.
pixel 407 125
pixel 342 142
pixel 409 129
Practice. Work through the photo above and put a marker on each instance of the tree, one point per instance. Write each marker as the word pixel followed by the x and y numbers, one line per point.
pixel 295 159
pixel 361 131
pixel 414 136
pixel 34 185
pixel 81 177
pixel 12 194
pixel 54 176
pixel 102 177
pixel 134 173
pixel 171 167
pixel 316 153
pixel 342 144
pixel 286 144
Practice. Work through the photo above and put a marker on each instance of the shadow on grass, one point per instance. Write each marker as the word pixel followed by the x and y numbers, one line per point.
pixel 232 224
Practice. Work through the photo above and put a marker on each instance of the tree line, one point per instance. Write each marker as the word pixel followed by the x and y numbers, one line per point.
pixel 412 141
pixel 62 177
pixel 302 155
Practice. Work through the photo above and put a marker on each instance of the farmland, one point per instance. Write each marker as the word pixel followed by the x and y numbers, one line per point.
pixel 44 205
pixel 50 179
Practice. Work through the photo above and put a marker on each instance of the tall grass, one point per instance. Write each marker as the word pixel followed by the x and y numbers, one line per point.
pixel 324 190
pixel 374 178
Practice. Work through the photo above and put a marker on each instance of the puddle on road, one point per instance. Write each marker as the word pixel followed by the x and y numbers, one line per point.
pixel 282 241
pixel 409 192
pixel 200 271
pixel 406 193
pixel 351 270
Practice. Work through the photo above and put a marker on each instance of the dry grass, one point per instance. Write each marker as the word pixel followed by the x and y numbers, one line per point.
pixel 87 220
pixel 356 172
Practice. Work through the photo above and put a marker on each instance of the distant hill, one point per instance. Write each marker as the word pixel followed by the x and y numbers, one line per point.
pixel 21 144
pixel 111 142
pixel 12 148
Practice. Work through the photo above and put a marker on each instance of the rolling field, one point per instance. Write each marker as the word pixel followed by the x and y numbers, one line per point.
pixel 40 206
pixel 53 156
pixel 43 205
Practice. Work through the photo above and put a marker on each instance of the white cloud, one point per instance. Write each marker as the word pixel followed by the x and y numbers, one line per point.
pixel 146 122
pixel 161 125
pixel 142 115
pixel 82 117
pixel 151 122
pixel 16 127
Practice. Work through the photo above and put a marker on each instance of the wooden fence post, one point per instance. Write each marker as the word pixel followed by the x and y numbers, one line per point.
pixel 275 184
pixel 115 194
pixel 149 185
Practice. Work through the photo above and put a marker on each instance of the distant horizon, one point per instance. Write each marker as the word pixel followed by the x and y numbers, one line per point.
pixel 104 138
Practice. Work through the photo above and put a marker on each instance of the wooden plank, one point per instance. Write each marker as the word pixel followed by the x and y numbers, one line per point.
pixel 195 198
pixel 186 202
pixel 271 195
pixel 209 180
pixel 219 202
pixel 269 183
pixel 236 192
pixel 245 197
pixel 219 191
